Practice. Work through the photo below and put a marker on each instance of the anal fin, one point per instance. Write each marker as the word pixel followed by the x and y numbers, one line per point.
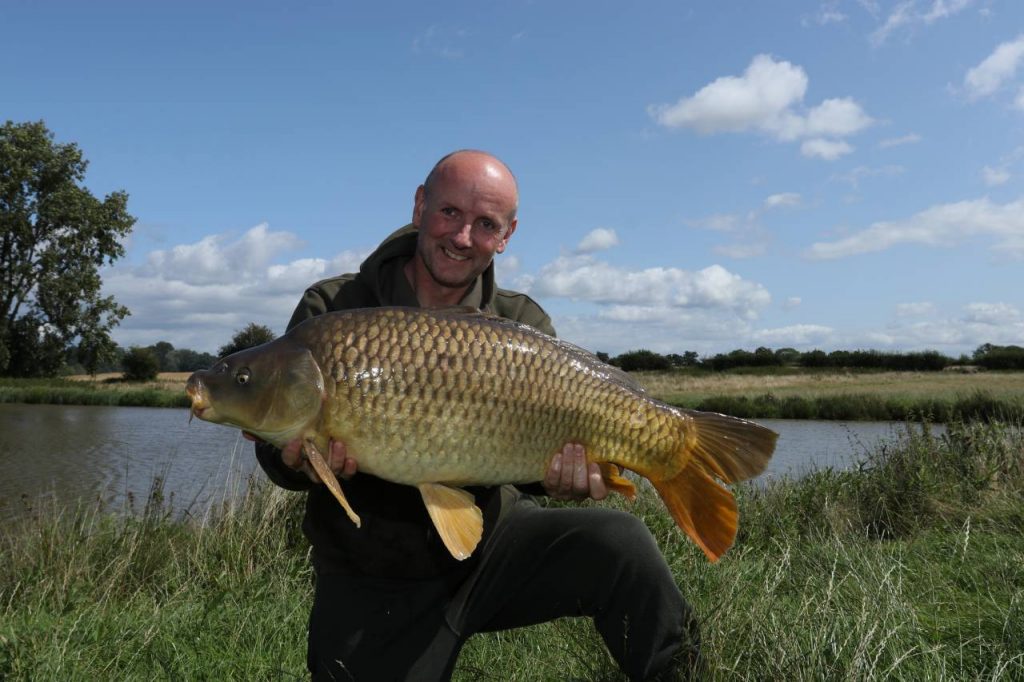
pixel 329 479
pixel 458 520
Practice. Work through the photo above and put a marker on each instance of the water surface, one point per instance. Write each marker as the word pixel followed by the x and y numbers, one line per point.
pixel 114 454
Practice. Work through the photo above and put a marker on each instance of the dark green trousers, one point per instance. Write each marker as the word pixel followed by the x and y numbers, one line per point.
pixel 539 564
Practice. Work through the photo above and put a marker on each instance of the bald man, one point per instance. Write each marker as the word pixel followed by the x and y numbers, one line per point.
pixel 390 601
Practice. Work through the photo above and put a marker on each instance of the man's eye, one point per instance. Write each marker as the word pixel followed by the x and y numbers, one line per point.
pixel 489 225
pixel 449 211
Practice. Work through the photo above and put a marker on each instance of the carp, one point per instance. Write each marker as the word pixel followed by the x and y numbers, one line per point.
pixel 444 398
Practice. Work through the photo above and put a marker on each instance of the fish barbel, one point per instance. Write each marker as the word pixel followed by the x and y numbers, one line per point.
pixel 440 399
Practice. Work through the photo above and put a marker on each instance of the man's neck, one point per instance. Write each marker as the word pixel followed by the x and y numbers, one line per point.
pixel 428 293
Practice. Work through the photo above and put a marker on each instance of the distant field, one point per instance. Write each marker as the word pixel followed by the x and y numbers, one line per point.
pixel 677 387
pixel 167 381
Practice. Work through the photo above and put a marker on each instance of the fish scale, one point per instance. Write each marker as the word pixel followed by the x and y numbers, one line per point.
pixel 445 398
pixel 494 386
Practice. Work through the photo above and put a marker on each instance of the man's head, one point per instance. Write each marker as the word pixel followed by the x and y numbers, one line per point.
pixel 465 212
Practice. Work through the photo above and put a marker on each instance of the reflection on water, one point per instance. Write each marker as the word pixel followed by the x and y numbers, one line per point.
pixel 113 454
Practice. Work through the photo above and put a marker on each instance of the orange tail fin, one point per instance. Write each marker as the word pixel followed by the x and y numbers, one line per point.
pixel 716 446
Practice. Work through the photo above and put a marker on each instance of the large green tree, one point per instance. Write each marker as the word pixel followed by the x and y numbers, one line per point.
pixel 54 238
pixel 252 335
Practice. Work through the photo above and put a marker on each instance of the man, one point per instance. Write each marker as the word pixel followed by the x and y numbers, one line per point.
pixel 390 601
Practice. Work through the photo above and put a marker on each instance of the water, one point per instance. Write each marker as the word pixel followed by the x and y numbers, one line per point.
pixel 113 454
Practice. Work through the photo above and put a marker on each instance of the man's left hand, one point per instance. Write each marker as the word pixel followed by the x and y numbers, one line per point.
pixel 570 477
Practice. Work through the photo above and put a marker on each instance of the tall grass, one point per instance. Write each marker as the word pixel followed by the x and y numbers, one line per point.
pixel 66 392
pixel 909 566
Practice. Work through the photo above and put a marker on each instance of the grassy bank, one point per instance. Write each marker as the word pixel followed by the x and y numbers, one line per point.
pixel 167 391
pixel 908 567
pixel 884 396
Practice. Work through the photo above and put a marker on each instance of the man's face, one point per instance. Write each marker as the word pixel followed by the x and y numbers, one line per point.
pixel 466 219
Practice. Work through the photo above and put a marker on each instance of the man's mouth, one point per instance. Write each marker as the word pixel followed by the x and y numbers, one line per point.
pixel 453 255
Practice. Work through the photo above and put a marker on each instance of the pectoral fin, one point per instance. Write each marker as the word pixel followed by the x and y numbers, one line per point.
pixel 458 520
pixel 615 481
pixel 329 479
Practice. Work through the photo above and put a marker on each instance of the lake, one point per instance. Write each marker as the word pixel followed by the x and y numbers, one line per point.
pixel 113 454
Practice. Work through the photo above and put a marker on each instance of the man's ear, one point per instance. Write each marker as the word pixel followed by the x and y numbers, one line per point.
pixel 417 206
pixel 508 235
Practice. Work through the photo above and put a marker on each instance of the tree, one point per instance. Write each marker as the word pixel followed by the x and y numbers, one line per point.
pixel 253 335
pixel 140 364
pixel 54 237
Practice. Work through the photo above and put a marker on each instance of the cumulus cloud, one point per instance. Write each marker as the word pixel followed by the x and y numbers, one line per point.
pixel 995 70
pixel 830 150
pixel 767 98
pixel 910 14
pixel 598 240
pixel 784 199
pixel 942 225
pixel 795 335
pixel 196 295
pixel 584 278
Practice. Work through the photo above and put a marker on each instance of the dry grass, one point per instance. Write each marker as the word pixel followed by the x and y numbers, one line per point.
pixel 671 386
pixel 166 381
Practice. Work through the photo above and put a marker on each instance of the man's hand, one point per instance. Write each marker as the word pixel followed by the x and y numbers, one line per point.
pixel 343 466
pixel 569 476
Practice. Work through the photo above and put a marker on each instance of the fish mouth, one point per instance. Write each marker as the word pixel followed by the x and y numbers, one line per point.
pixel 194 389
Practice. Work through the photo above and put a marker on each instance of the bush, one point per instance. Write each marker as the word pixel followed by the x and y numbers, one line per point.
pixel 140 364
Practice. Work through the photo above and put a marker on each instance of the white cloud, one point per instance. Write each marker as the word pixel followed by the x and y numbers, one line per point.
pixel 726 222
pixel 196 295
pixel 910 13
pixel 792 302
pixel 942 225
pixel 829 150
pixel 441 41
pixel 783 199
pixel 600 239
pixel 991 313
pixel 996 69
pixel 1018 102
pixel 764 99
pixel 583 278
pixel 794 335
pixel 923 309
pixel 859 173
pixel 995 176
pixel 911 138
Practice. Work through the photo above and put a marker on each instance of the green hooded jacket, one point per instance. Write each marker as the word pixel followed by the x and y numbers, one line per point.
pixel 397 539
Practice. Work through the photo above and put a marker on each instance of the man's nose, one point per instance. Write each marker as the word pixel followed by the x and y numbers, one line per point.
pixel 463 238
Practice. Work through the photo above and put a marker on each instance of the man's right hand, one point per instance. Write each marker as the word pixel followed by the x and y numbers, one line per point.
pixel 343 466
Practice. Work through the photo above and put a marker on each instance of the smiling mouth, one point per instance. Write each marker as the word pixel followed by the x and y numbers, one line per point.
pixel 452 255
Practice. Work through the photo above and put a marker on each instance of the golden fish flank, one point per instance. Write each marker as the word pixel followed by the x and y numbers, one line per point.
pixel 445 398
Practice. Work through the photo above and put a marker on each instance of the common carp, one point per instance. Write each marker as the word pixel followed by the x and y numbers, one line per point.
pixel 445 398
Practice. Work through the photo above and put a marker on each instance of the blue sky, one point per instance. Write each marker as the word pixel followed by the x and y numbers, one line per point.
pixel 693 175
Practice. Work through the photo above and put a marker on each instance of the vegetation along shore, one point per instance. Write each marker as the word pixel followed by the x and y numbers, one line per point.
pixel 909 566
pixel 793 394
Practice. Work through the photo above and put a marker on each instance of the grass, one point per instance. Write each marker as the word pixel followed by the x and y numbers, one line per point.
pixel 877 396
pixel 874 396
pixel 909 566
pixel 167 391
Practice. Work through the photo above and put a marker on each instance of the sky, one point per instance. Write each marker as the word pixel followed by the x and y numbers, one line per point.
pixel 694 176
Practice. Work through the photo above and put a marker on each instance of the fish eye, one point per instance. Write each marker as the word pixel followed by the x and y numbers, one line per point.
pixel 242 376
